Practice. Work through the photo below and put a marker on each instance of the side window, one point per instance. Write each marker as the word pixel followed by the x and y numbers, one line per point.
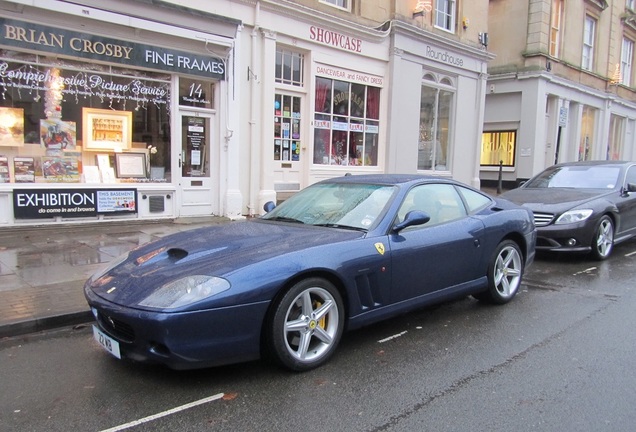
pixel 475 200
pixel 631 175
pixel 440 201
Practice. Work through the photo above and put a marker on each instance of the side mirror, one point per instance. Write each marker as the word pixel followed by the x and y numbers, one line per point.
pixel 412 218
pixel 631 187
pixel 269 206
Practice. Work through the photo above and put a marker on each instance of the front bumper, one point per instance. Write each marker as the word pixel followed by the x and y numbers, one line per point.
pixel 565 238
pixel 182 340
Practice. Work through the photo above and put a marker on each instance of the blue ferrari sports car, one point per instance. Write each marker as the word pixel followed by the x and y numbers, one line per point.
pixel 340 254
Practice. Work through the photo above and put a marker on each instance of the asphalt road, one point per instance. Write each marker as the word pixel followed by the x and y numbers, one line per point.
pixel 560 357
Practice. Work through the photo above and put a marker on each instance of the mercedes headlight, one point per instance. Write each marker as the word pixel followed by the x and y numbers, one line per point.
pixel 573 216
pixel 185 291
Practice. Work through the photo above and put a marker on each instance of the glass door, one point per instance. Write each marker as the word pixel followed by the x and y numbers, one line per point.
pixel 197 193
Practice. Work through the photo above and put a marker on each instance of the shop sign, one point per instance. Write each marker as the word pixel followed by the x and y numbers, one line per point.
pixel 335 39
pixel 48 203
pixel 59 41
pixel 346 75
pixel 444 56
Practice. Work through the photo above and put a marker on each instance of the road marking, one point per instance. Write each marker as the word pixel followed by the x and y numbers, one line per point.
pixel 630 254
pixel 164 413
pixel 392 337
pixel 587 270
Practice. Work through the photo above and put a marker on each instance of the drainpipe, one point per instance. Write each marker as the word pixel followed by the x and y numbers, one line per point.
pixel 254 141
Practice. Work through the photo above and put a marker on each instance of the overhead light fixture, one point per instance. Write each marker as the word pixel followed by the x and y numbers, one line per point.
pixel 422 7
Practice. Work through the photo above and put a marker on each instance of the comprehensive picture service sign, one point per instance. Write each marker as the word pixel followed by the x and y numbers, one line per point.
pixel 48 203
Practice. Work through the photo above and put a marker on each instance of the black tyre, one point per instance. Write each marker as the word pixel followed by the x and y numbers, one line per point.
pixel 504 274
pixel 603 241
pixel 306 325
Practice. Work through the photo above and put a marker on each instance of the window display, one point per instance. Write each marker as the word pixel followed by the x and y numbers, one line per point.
pixel 346 123
pixel 57 115
pixel 498 147
pixel 286 128
pixel 435 111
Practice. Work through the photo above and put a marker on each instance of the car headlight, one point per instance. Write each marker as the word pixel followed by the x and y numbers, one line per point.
pixel 185 291
pixel 573 216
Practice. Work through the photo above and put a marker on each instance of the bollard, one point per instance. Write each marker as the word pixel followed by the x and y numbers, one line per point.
pixel 499 180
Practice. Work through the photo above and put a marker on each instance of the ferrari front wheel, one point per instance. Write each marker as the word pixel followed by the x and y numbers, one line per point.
pixel 306 325
pixel 504 274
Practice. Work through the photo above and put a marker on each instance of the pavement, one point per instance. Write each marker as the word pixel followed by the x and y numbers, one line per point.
pixel 43 268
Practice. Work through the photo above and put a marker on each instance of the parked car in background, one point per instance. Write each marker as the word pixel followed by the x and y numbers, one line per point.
pixel 581 206
pixel 340 254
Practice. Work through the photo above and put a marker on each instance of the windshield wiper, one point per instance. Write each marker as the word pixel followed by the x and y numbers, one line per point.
pixel 335 225
pixel 285 219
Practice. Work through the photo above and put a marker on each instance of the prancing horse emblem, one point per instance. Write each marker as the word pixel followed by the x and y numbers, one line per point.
pixel 380 248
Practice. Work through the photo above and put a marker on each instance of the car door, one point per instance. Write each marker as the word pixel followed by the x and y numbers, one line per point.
pixel 442 253
pixel 626 205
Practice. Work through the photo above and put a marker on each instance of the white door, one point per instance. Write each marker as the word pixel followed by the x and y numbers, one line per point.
pixel 197 190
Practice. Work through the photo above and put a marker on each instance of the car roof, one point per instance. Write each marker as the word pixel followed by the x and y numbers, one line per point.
pixel 595 163
pixel 385 179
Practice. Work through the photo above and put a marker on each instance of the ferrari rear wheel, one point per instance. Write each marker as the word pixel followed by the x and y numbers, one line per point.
pixel 307 325
pixel 603 241
pixel 504 274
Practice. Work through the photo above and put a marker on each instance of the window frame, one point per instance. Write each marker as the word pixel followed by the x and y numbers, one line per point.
pixel 589 37
pixel 627 60
pixel 284 53
pixel 449 17
pixel 334 3
pixel 556 23
pixel 439 85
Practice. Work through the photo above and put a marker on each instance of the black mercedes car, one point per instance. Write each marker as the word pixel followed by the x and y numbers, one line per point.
pixel 584 206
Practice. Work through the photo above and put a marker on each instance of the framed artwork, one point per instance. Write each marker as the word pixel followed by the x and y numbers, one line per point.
pixel 57 135
pixel 105 129
pixel 130 165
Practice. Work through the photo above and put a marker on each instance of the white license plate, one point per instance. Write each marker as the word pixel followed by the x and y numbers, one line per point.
pixel 109 344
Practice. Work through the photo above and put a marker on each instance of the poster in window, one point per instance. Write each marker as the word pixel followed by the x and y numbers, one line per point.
pixel 5 176
pixel 24 169
pixel 56 134
pixel 60 169
pixel 11 127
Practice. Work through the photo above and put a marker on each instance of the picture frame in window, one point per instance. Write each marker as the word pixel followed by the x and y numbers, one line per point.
pixel 130 165
pixel 105 129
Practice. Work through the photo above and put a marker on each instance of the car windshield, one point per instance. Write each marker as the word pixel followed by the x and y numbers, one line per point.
pixel 579 177
pixel 353 206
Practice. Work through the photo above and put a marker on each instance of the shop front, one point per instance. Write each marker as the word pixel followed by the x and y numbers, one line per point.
pixel 120 122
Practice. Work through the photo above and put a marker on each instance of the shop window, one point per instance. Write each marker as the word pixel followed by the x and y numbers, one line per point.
pixel 498 147
pixel 556 20
pixel 286 128
pixel 346 123
pixel 586 145
pixel 289 67
pixel 445 15
pixel 63 121
pixel 627 56
pixel 616 134
pixel 589 33
pixel 435 117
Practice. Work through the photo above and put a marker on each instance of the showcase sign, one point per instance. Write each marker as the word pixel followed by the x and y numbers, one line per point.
pixel 54 40
pixel 48 203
